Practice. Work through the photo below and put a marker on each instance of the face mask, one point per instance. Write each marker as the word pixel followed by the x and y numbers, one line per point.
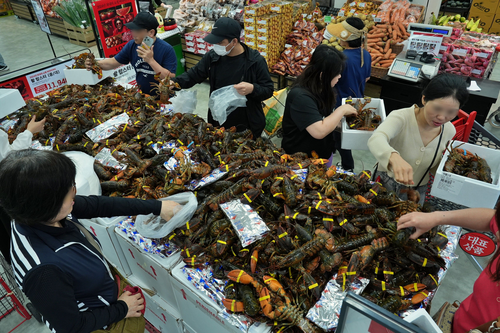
pixel 221 50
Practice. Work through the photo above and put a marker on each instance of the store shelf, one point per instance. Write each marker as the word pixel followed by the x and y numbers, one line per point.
pixel 23 10
pixel 57 27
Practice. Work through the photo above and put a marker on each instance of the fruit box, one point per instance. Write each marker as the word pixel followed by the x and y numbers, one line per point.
pixel 466 191
pixel 356 139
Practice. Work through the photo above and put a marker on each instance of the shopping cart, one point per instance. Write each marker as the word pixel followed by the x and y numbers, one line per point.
pixel 11 298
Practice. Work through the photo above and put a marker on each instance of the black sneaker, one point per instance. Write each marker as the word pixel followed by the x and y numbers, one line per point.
pixel 339 167
pixel 4 68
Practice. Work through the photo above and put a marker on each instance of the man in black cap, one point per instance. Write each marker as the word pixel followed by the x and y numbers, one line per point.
pixel 147 61
pixel 231 62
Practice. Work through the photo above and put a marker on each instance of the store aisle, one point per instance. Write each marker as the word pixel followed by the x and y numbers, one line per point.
pixel 22 43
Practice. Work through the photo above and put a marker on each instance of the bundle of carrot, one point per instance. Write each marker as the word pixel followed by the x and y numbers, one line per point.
pixel 381 38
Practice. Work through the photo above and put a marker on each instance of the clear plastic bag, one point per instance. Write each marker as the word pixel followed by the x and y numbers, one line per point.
pixel 223 101
pixel 184 101
pixel 153 226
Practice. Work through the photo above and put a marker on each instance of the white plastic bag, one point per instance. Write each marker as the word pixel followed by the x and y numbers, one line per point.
pixel 152 226
pixel 184 101
pixel 87 182
pixel 223 101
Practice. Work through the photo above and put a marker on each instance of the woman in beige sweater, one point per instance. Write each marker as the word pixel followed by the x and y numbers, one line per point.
pixel 410 142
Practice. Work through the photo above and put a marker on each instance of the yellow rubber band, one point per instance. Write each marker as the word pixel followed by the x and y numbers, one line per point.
pixel 276 194
pixel 313 286
pixel 371 190
pixel 402 291
pixel 293 177
pixel 425 262
pixel 270 279
pixel 222 242
pixel 318 204
pixel 232 305
pixel 239 276
pixel 295 215
pixel 283 235
pixel 327 219
pixel 187 253
pixel 319 195
pixel 246 196
pixel 366 173
pixel 187 225
pixel 182 144
pixel 432 277
pixel 415 286
pixel 264 298
pixel 388 272
pixel 254 258
pixel 441 234
pixel 343 222
pixel 170 238
pixel 244 250
pixel 383 285
pixel 350 273
pixel 267 163
pixel 300 166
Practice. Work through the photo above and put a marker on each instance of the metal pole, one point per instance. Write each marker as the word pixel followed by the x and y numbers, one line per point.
pixel 94 29
pixel 52 47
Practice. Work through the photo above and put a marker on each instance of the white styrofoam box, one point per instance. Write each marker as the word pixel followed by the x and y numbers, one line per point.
pixel 150 270
pixel 83 76
pixel 423 320
pixel 200 313
pixel 466 191
pixel 356 139
pixel 159 313
pixel 11 100
pixel 104 230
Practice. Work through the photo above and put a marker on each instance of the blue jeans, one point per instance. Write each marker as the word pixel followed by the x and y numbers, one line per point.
pixel 2 63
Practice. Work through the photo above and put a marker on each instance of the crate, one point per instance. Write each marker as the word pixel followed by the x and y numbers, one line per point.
pixel 463 125
pixel 278 81
pixel 57 27
pixel 191 59
pixel 23 10
pixel 80 36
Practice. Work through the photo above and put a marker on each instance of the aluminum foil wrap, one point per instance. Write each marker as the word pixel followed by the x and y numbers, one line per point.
pixel 108 128
pixel 105 158
pixel 7 124
pixel 149 245
pixel 248 224
pixel 207 180
pixel 159 146
pixel 326 312
pixel 35 144
pixel 203 280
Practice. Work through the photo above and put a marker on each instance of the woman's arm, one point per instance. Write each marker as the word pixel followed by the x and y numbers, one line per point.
pixel 322 128
pixel 52 294
pixel 91 206
pixel 472 218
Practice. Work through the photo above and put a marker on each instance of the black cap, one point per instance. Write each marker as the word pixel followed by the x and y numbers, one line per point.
pixel 143 20
pixel 224 28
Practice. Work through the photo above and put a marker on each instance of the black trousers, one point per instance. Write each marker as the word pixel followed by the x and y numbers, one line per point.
pixel 345 154
pixel 5 234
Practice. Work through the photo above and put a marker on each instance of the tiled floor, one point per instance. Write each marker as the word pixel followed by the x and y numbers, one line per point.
pixel 22 43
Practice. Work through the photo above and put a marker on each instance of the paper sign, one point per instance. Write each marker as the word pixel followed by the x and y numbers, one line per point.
pixel 48 79
pixel 42 20
pixel 477 244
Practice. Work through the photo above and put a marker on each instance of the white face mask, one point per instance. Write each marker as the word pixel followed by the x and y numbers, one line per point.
pixel 221 50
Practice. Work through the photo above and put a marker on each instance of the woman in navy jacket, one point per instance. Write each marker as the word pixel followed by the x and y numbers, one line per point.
pixel 62 273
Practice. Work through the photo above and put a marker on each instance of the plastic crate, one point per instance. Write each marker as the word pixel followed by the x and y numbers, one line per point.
pixel 464 125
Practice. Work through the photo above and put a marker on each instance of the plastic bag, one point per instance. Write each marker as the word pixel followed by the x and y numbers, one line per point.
pixel 184 101
pixel 223 101
pixel 87 182
pixel 153 226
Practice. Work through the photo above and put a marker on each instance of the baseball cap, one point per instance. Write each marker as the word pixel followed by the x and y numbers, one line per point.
pixel 224 28
pixel 143 20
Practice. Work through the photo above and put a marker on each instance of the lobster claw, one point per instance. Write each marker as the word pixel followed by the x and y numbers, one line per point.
pixel 253 260
pixel 232 305
pixel 240 276
pixel 249 196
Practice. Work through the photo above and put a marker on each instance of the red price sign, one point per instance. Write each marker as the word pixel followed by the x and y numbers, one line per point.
pixel 477 244
pixel 48 79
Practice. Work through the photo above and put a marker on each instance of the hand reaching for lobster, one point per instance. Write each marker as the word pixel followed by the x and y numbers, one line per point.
pixel 36 126
pixel 422 222
pixel 347 110
pixel 169 209
pixel 403 172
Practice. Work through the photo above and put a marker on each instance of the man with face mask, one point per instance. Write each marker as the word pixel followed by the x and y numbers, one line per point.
pixel 231 62
pixel 147 61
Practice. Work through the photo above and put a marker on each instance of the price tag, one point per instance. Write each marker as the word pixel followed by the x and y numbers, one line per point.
pixel 341 13
pixel 460 52
pixel 48 79
pixel 362 5
pixel 377 19
pixel 449 184
pixel 352 4
pixel 476 71
pixel 482 55
pixel 328 19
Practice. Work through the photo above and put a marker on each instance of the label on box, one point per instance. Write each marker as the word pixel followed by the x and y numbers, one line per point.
pixel 460 52
pixel 262 30
pixel 443 48
pixel 328 19
pixel 250 28
pixel 450 185
pixel 362 5
pixel 482 55
pixel 476 71
pixel 352 4
pixel 202 51
pixel 189 37
pixel 377 19
pixel 250 11
pixel 249 19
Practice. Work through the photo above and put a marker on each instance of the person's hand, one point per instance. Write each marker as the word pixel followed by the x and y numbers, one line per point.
pixel 88 64
pixel 135 303
pixel 146 52
pixel 244 88
pixel 168 209
pixel 36 126
pixel 422 222
pixel 347 110
pixel 403 172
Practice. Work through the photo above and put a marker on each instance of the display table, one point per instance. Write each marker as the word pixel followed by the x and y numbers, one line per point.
pixel 399 94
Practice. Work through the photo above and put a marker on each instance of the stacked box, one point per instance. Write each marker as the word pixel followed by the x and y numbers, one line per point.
pixel 195 42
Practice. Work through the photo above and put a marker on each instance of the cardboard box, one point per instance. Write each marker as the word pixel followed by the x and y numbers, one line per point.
pixel 495 25
pixel 104 230
pixel 486 19
pixel 200 313
pixel 150 270
pixel 483 6
pixel 11 100
pixel 466 191
pixel 356 139
pixel 423 320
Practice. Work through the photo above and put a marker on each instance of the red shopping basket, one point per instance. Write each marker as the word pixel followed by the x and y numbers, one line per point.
pixel 463 125
pixel 10 295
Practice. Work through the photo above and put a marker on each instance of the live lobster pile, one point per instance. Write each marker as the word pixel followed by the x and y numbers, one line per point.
pixel 467 164
pixel 80 63
pixel 321 222
pixel 365 119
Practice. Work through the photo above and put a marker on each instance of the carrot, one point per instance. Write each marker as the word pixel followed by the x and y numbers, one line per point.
pixel 382 26
pixel 389 29
pixel 394 34
pixel 381 43
pixel 386 65
pixel 387 54
pixel 374 61
pixel 379 35
pixel 392 56
pixel 379 48
pixel 401 27
pixel 387 46
pixel 386 61
pixel 373 40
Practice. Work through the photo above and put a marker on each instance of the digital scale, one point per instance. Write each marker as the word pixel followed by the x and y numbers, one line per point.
pixel 420 52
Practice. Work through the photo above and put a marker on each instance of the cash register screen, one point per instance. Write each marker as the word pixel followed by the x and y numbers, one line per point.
pixel 406 69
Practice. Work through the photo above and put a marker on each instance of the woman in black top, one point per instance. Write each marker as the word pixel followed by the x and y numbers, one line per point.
pixel 55 265
pixel 309 119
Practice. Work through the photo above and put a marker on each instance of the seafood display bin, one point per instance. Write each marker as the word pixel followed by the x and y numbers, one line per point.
pixel 104 230
pixel 150 271
pixel 10 100
pixel 163 316
pixel 199 312
pixel 466 191
pixel 356 139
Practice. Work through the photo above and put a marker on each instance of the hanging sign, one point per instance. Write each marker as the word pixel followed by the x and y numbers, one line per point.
pixel 40 14
pixel 111 17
